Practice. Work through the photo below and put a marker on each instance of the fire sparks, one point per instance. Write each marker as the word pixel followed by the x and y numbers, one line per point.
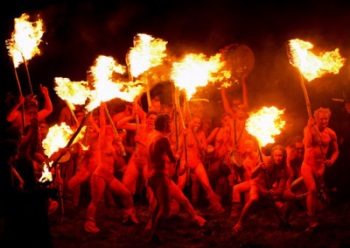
pixel 311 65
pixel 109 83
pixel 265 124
pixel 147 52
pixel 195 70
pixel 25 39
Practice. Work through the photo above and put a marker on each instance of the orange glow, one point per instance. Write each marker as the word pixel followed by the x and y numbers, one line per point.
pixel 46 175
pixel 147 52
pixel 58 137
pixel 73 92
pixel 265 124
pixel 109 83
pixel 25 39
pixel 311 65
pixel 195 70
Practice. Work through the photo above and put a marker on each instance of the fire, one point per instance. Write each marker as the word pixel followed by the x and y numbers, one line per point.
pixel 58 137
pixel 311 65
pixel 147 52
pixel 195 70
pixel 46 175
pixel 109 83
pixel 75 92
pixel 25 39
pixel 265 124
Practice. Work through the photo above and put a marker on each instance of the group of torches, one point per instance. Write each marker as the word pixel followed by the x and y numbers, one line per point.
pixel 110 80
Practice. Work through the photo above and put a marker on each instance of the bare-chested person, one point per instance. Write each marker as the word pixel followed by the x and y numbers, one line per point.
pixel 158 179
pixel 251 159
pixel 87 160
pixel 268 179
pixel 191 161
pixel 160 158
pixel 30 110
pixel 318 140
pixel 221 137
pixel 103 177
pixel 137 163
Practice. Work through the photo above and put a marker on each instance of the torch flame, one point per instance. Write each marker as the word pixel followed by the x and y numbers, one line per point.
pixel 195 70
pixel 46 175
pixel 147 52
pixel 72 91
pixel 25 39
pixel 108 87
pixel 311 65
pixel 58 137
pixel 265 124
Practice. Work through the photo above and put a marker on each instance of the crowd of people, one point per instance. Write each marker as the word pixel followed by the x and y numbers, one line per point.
pixel 173 156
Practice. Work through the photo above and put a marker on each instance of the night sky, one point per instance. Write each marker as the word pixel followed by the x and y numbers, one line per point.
pixel 78 31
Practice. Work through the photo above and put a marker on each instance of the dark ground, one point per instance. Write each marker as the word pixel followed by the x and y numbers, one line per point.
pixel 261 229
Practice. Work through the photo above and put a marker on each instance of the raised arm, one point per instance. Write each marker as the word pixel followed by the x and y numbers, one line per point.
pixel 48 108
pixel 12 114
pixel 245 91
pixel 225 101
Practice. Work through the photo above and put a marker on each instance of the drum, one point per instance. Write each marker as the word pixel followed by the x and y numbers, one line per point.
pixel 239 60
pixel 64 158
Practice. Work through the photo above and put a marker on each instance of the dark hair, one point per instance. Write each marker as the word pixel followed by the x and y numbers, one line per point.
pixel 161 121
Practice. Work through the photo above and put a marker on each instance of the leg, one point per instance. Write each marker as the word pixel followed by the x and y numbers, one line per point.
pixel 116 187
pixel 237 190
pixel 97 190
pixel 161 191
pixel 311 199
pixel 177 194
pixel 214 200
pixel 130 176
pixel 253 199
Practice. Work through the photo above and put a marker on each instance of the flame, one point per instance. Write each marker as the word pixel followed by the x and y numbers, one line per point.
pixel 72 91
pixel 195 70
pixel 57 137
pixel 46 175
pixel 147 52
pixel 25 39
pixel 107 86
pixel 265 124
pixel 311 65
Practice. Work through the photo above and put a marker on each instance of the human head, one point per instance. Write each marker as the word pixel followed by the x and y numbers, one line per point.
pixel 43 129
pixel 249 146
pixel 298 148
pixel 155 104
pixel 196 121
pixel 322 116
pixel 31 106
pixel 225 119
pixel 278 155
pixel 150 118
pixel 162 123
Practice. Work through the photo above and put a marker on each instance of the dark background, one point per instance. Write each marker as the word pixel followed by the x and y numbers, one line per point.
pixel 77 32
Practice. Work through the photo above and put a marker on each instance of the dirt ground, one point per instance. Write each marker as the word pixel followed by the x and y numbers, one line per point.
pixel 261 229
